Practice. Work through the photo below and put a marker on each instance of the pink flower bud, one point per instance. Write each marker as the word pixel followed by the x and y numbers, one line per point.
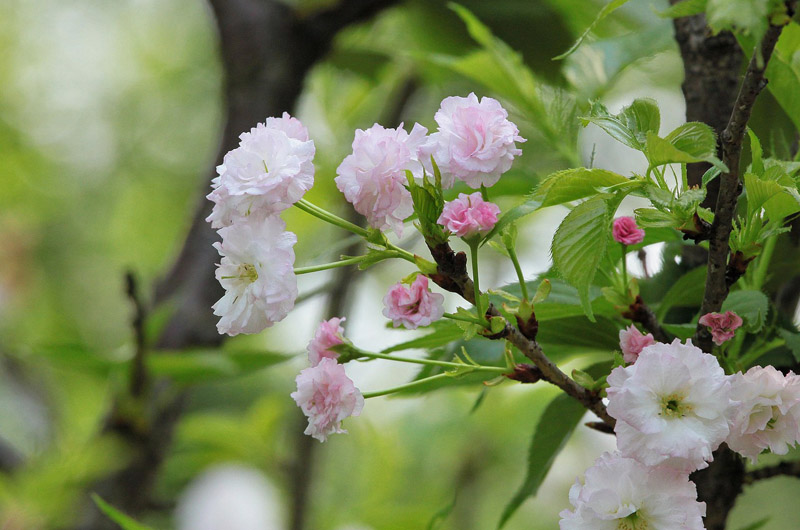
pixel 327 396
pixel 413 306
pixel 329 334
pixel 632 342
pixel 626 232
pixel 469 215
pixel 721 325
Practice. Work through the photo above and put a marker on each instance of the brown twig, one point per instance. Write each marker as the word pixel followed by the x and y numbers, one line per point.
pixel 640 312
pixel 716 288
pixel 138 378
pixel 789 469
pixel 452 275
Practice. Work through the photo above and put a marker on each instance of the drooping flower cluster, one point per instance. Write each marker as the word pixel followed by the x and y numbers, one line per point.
pixel 469 215
pixel 413 306
pixel 475 143
pixel 270 170
pixel 327 396
pixel 622 493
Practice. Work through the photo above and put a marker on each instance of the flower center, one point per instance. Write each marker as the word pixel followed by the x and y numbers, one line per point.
pixel 633 522
pixel 673 406
pixel 247 272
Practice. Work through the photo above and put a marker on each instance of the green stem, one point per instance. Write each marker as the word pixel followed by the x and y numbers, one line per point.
pixel 512 253
pixel 624 266
pixel 408 386
pixel 329 217
pixel 432 362
pixel 755 353
pixel 326 266
pixel 473 248
pixel 463 318
pixel 760 275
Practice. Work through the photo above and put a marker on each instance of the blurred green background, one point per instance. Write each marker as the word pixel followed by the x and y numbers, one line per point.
pixel 110 117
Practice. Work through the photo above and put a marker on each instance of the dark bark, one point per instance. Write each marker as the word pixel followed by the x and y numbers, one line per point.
pixel 717 287
pixel 718 485
pixel 782 469
pixel 266 50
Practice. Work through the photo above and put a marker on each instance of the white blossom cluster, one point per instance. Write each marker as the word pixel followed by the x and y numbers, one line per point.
pixel 270 170
pixel 673 407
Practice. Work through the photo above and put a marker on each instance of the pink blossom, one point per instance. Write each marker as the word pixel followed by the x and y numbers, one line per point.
pixel 373 177
pixel 469 215
pixel 672 406
pixel 632 341
pixel 767 412
pixel 327 396
pixel 626 232
pixel 413 306
pixel 475 141
pixel 330 333
pixel 270 170
pixel 722 325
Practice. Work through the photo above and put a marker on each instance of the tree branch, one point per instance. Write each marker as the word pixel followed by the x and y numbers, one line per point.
pixel 790 469
pixel 640 312
pixel 716 288
pixel 452 276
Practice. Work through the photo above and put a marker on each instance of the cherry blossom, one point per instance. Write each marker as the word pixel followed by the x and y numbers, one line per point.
pixel 469 215
pixel 632 341
pixel 721 325
pixel 626 231
pixel 413 306
pixel 329 333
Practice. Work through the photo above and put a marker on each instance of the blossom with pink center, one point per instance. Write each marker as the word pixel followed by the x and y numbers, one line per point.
pixel 474 143
pixel 330 333
pixel 721 325
pixel 413 306
pixel 270 170
pixel 626 231
pixel 373 177
pixel 672 406
pixel 632 341
pixel 767 412
pixel 257 272
pixel 469 215
pixel 621 493
pixel 326 396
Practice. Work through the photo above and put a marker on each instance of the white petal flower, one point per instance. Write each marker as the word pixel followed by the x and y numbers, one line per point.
pixel 620 493
pixel 270 170
pixel 257 272
pixel 767 412
pixel 671 406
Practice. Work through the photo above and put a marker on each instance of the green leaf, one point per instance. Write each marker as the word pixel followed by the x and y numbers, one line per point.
pixel 756 151
pixel 124 521
pixel 607 10
pixel 749 304
pixel 747 16
pixel 579 246
pixel 686 8
pixel 445 332
pixel 555 426
pixel 195 366
pixel 532 204
pixel 552 432
pixel 691 142
pixel 573 184
pixel 686 292
pixel 758 524
pixel 778 200
pixel 631 125
pixel 440 516
pixel 792 342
